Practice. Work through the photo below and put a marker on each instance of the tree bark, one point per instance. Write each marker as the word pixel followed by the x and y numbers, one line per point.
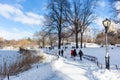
pixel 59 40
pixel 76 39
pixel 43 43
pixel 81 40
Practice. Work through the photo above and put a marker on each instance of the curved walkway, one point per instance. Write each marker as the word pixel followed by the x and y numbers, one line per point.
pixel 72 70
pixel 58 69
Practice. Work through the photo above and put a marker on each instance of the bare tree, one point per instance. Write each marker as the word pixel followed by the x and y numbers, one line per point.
pixel 100 38
pixel 94 33
pixel 74 19
pixel 81 15
pixel 52 38
pixel 115 9
pixel 118 36
pixel 66 34
pixel 41 37
pixel 113 38
pixel 57 17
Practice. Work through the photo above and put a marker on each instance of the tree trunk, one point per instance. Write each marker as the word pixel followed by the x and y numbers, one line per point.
pixel 76 39
pixel 81 40
pixel 59 40
pixel 59 43
pixel 51 43
pixel 43 43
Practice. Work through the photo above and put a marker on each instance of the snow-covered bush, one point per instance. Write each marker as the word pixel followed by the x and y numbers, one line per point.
pixel 23 62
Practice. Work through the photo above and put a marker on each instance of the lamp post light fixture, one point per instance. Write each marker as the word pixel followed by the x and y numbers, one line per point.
pixel 106 24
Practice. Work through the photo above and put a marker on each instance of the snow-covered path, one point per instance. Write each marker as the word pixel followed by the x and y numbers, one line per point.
pixel 72 70
pixel 65 69
pixel 61 69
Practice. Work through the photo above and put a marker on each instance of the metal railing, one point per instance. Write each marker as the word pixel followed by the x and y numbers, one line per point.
pixel 100 65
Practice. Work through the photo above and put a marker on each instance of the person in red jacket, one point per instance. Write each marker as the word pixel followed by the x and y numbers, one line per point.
pixel 72 52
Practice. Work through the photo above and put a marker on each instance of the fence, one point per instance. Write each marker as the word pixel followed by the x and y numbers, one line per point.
pixel 90 58
pixel 100 65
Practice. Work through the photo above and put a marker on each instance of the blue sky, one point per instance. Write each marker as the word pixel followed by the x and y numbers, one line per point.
pixel 22 18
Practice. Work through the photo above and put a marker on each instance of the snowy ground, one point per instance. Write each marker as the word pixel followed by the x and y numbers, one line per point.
pixel 92 49
pixel 66 69
pixel 8 56
pixel 100 53
pixel 11 56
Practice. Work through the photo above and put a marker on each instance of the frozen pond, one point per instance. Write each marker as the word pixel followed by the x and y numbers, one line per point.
pixel 99 52
pixel 8 56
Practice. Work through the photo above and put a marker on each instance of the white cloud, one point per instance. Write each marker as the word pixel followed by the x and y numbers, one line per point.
pixel 14 34
pixel 117 5
pixel 112 27
pixel 16 14
pixel 101 4
pixel 18 6
pixel 98 21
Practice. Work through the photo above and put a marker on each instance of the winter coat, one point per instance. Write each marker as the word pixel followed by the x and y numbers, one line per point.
pixel 75 53
pixel 80 53
pixel 72 52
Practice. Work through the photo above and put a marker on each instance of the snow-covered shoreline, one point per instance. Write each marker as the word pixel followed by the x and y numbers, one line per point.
pixel 65 68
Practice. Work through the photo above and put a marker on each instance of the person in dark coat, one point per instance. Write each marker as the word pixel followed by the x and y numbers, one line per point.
pixel 62 52
pixel 74 54
pixel 59 52
pixel 80 54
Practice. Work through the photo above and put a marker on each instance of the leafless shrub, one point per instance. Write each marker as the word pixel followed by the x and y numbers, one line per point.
pixel 22 63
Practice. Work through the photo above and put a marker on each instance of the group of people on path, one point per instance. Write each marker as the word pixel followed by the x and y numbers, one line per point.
pixel 61 52
pixel 74 54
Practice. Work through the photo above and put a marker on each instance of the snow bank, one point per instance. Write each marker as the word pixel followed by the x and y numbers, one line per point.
pixel 68 69
pixel 92 45
pixel 65 69
pixel 106 75
pixel 39 71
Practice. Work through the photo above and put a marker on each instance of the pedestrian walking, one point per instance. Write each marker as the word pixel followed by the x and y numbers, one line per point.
pixel 59 53
pixel 74 53
pixel 62 52
pixel 80 54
